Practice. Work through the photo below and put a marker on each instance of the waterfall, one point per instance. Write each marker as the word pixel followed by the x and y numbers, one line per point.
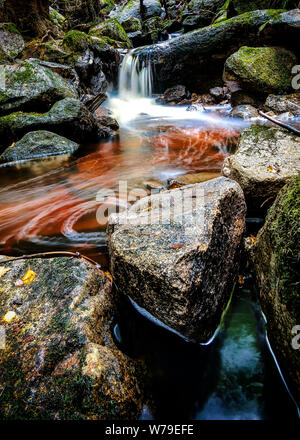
pixel 135 76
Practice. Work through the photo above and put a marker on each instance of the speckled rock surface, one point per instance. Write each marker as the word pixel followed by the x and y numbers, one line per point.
pixel 30 86
pixel 38 144
pixel 266 158
pixel 60 361
pixel 11 42
pixel 276 254
pixel 179 264
pixel 284 103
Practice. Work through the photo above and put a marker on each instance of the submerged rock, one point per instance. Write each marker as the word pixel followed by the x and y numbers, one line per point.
pixel 266 159
pixel 68 117
pixel 60 361
pixel 29 86
pixel 175 254
pixel 284 103
pixel 261 69
pixel 38 144
pixel 276 255
pixel 244 112
pixel 11 42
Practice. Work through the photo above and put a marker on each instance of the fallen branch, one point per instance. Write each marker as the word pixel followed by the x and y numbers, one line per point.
pixel 51 254
pixel 281 124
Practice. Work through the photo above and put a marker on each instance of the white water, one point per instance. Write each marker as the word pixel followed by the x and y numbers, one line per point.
pixel 135 104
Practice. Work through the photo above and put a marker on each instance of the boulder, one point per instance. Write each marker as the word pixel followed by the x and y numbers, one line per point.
pixel 68 117
pixel 132 24
pixel 245 112
pixel 196 59
pixel 29 86
pixel 57 18
pixel 261 69
pixel 38 144
pixel 284 103
pixel 152 8
pixel 60 361
pixel 11 42
pixel 112 29
pixel 275 255
pixel 175 254
pixel 175 94
pixel 241 6
pixel 265 160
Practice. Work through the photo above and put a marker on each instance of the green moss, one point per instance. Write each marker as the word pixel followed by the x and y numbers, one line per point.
pixel 284 230
pixel 75 41
pixel 10 27
pixel 112 29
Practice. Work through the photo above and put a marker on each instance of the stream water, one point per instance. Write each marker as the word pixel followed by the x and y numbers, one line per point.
pixel 61 204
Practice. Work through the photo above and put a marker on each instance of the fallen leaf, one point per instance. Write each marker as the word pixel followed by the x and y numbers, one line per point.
pixel 9 316
pixel 177 245
pixel 12 145
pixel 273 169
pixel 29 277
pixel 241 280
pixel 252 238
pixel 3 270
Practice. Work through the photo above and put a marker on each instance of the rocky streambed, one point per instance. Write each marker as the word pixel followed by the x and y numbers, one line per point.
pixel 89 342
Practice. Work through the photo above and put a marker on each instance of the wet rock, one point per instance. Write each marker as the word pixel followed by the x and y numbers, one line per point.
pixel 245 112
pixel 30 86
pixel 38 144
pixel 266 159
pixel 68 117
pixel 178 260
pixel 284 103
pixel 64 70
pixel 241 6
pixel 132 24
pixel 219 93
pixel 261 69
pixel 189 179
pixel 60 361
pixel 175 94
pixel 202 52
pixel 152 8
pixel 275 255
pixel 57 18
pixel 112 29
pixel 11 42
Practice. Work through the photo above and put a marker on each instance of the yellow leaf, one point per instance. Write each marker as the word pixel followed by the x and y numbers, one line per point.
pixel 3 270
pixel 26 85
pixel 9 316
pixel 29 277
pixel 12 145
pixel 252 238
pixel 241 280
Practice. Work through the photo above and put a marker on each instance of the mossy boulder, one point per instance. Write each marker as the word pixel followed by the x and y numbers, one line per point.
pixel 132 24
pixel 38 144
pixel 75 41
pixel 111 29
pixel 60 361
pixel 266 159
pixel 276 256
pixel 30 86
pixel 261 69
pixel 11 42
pixel 131 8
pixel 241 6
pixel 68 117
pixel 57 18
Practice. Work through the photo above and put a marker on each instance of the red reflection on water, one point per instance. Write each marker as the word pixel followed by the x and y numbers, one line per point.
pixel 64 202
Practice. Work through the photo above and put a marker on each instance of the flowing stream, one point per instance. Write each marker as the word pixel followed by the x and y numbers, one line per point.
pixel 61 203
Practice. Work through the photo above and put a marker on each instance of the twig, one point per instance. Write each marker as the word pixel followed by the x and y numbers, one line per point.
pixel 47 254
pixel 281 124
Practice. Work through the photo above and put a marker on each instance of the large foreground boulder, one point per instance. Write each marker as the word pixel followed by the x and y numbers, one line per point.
pixel 266 159
pixel 175 254
pixel 60 361
pixel 196 59
pixel 276 255
pixel 29 86
pixel 68 117
pixel 260 69
pixel 38 144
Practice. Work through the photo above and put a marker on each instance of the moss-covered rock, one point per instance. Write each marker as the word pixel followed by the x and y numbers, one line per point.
pixel 68 117
pixel 38 144
pixel 132 24
pixel 58 19
pixel 11 42
pixel 276 256
pixel 111 29
pixel 60 361
pixel 75 41
pixel 241 6
pixel 261 69
pixel 31 86
pixel 266 159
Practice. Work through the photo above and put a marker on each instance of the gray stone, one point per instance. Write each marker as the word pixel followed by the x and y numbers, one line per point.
pixel 11 42
pixel 132 9
pixel 38 144
pixel 266 159
pixel 284 103
pixel 245 112
pixel 175 254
